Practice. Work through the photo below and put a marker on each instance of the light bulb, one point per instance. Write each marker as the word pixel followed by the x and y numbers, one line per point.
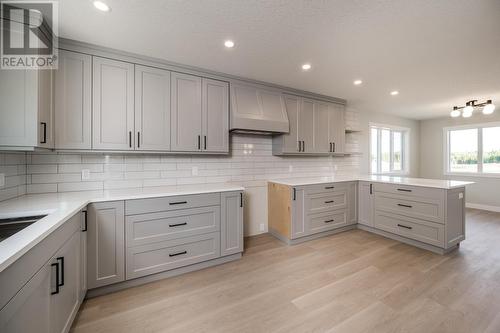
pixel 488 108
pixel 466 114
pixel 468 109
pixel 455 113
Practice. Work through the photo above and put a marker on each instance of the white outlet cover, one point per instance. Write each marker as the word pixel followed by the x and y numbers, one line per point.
pixel 460 195
pixel 261 227
pixel 2 179
pixel 85 174
pixel 194 171
pixel 290 168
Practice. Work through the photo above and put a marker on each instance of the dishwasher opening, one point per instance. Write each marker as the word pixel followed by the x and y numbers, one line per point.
pixel 10 226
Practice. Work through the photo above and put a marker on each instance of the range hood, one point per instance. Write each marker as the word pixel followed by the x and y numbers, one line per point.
pixel 257 110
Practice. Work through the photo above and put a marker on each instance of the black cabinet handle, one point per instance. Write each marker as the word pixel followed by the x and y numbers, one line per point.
pixel 404 190
pixel 199 141
pixel 44 132
pixel 294 194
pixel 138 139
pixel 56 265
pixel 130 139
pixel 334 147
pixel 205 142
pixel 371 188
pixel 407 206
pixel 404 226
pixel 177 203
pixel 331 147
pixel 61 260
pixel 177 224
pixel 241 199
pixel 303 146
pixel 329 187
pixel 329 221
pixel 85 216
pixel 329 201
pixel 177 254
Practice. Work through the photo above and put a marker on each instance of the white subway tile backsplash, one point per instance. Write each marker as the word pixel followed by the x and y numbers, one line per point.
pixel 73 168
pixel 13 166
pixel 80 186
pixel 41 188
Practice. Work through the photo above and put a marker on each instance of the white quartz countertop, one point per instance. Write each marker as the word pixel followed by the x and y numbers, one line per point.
pixel 434 183
pixel 60 207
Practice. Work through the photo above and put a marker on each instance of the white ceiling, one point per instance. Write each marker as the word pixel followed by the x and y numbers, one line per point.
pixel 437 53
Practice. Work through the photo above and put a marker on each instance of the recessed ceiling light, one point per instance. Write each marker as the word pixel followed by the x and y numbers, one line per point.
pixel 357 82
pixel 101 6
pixel 306 67
pixel 229 44
pixel 394 93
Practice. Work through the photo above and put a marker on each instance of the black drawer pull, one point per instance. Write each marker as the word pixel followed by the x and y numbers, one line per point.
pixel 56 265
pixel 294 194
pixel 177 203
pixel 241 199
pixel 404 226
pixel 177 254
pixel 329 201
pixel 407 206
pixel 44 132
pixel 85 216
pixel 61 260
pixel 329 187
pixel 329 221
pixel 177 224
pixel 404 190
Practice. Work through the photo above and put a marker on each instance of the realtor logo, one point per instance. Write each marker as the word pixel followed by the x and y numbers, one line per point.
pixel 29 34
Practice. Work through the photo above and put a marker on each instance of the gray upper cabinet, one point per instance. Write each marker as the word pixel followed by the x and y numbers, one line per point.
pixel 336 126
pixel 113 104
pixel 152 109
pixel 73 87
pixel 186 112
pixel 289 142
pixel 215 116
pixel 26 110
pixel 231 223
pixel 321 122
pixel 306 126
pixel 106 243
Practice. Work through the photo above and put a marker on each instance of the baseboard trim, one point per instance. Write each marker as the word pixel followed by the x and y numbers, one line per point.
pixel 311 237
pixel 483 207
pixel 160 276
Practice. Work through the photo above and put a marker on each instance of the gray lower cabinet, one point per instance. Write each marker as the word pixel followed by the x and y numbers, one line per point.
pixel 365 205
pixel 106 243
pixel 231 223
pixel 50 299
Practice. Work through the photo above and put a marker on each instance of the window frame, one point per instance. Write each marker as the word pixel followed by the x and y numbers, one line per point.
pixel 446 150
pixel 405 148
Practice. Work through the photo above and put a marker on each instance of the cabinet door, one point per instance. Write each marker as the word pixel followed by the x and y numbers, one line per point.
pixel 336 125
pixel 83 255
pixel 321 114
pixel 73 100
pixel 231 223
pixel 298 213
pixel 106 244
pixel 113 104
pixel 46 109
pixel 291 139
pixel 65 303
pixel 152 108
pixel 352 203
pixel 186 112
pixel 306 125
pixel 365 206
pixel 30 309
pixel 215 116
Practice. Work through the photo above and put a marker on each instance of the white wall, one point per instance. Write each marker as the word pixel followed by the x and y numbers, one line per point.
pixel 365 118
pixel 486 191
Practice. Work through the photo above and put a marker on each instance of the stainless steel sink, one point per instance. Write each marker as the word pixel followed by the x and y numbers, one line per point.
pixel 9 227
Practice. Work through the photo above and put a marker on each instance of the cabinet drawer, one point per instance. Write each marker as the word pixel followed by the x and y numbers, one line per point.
pixel 423 231
pixel 322 202
pixel 141 206
pixel 325 188
pixel 404 190
pixel 326 221
pixel 158 257
pixel 417 207
pixel 156 227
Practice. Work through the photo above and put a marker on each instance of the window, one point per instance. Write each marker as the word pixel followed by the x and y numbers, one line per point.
pixel 472 149
pixel 388 149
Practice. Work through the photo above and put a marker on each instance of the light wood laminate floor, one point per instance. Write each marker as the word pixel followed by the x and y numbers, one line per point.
pixel 350 282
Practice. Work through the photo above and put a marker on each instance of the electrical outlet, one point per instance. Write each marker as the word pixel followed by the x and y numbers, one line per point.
pixel 262 227
pixel 2 179
pixel 461 195
pixel 335 167
pixel 194 171
pixel 290 168
pixel 85 174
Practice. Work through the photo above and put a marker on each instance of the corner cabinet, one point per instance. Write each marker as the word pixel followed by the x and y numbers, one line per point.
pixel 200 114
pixel 316 128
